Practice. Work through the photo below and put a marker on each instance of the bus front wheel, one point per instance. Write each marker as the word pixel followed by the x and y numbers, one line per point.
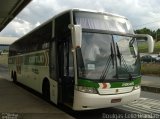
pixel 46 90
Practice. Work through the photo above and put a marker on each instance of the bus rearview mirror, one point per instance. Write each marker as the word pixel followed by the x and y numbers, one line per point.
pixel 146 38
pixel 77 33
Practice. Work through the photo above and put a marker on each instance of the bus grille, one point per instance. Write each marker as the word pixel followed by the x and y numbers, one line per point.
pixel 115 90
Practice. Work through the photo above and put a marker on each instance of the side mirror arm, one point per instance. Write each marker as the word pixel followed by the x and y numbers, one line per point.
pixel 149 40
pixel 77 35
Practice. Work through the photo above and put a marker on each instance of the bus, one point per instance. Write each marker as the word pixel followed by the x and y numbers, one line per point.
pixel 80 58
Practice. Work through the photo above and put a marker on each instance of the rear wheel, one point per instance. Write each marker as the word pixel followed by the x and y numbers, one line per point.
pixel 46 90
pixel 14 77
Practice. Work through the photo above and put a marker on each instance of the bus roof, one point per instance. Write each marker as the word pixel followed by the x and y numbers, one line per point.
pixel 101 12
pixel 87 10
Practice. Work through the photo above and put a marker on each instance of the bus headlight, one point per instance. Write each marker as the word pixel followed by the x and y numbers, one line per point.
pixel 86 89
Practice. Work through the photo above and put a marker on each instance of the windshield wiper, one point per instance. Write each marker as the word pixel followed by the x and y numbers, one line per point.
pixel 121 59
pixel 106 68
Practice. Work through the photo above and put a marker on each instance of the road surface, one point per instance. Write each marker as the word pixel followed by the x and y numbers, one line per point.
pixel 15 98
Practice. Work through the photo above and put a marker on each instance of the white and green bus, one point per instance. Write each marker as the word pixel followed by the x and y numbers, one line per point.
pixel 81 58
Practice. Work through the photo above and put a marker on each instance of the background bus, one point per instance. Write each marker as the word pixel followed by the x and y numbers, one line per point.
pixel 84 59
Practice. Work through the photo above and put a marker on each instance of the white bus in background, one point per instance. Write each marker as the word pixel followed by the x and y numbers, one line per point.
pixel 5 42
pixel 81 58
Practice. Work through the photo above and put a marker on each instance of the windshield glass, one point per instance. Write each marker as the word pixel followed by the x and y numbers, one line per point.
pixel 96 51
pixel 127 56
pixel 98 57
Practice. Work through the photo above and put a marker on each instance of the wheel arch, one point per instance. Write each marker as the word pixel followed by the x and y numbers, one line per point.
pixel 45 80
pixel 45 83
pixel 12 74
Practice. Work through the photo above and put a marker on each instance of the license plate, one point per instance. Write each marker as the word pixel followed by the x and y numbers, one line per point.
pixel 116 100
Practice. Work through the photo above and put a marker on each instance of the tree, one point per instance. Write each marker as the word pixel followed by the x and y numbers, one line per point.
pixel 158 35
pixel 144 31
pixel 155 33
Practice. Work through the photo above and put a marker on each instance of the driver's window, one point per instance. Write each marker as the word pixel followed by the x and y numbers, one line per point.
pixel 133 47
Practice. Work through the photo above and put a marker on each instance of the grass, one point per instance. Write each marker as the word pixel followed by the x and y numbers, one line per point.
pixel 150 69
pixel 143 48
pixel 157 47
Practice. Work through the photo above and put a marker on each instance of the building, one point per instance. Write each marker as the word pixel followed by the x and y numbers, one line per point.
pixel 9 9
pixel 5 42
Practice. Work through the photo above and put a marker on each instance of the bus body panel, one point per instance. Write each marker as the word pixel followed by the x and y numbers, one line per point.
pixel 54 91
pixel 86 101
pixel 33 75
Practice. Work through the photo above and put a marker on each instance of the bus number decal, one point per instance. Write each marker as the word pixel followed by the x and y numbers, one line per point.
pixel 127 84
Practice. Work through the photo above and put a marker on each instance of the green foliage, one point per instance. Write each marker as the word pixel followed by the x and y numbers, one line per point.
pixel 5 50
pixel 157 47
pixel 143 31
pixel 143 48
pixel 154 33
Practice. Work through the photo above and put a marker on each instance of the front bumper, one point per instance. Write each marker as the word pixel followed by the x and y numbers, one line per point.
pixel 87 101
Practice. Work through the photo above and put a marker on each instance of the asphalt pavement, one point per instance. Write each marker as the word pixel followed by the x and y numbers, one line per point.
pixel 150 84
pixel 18 103
pixel 4 72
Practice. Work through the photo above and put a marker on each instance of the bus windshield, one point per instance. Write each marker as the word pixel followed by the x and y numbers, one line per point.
pixel 127 57
pixel 107 57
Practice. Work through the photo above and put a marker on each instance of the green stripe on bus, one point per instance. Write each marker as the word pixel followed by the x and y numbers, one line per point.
pixel 89 83
pixel 126 84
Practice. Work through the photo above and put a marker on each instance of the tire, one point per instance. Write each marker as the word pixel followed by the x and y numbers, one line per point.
pixel 14 77
pixel 46 90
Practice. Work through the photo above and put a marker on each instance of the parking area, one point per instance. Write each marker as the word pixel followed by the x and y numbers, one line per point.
pixel 150 58
pixel 16 101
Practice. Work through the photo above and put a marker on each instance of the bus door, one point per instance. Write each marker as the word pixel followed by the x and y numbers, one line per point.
pixel 65 60
pixel 66 71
